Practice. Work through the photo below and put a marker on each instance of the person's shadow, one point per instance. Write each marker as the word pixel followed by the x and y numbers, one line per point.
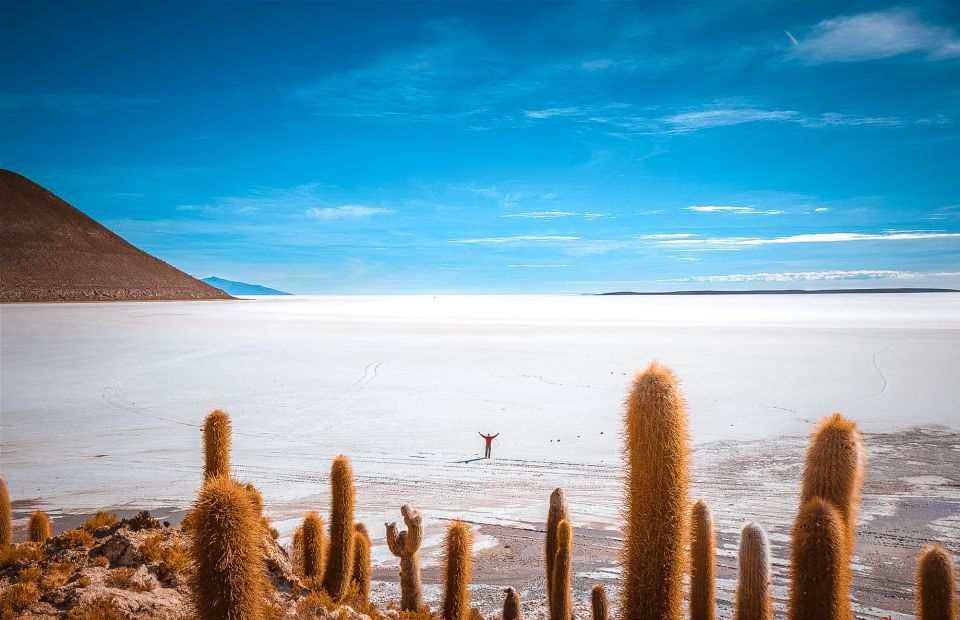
pixel 479 458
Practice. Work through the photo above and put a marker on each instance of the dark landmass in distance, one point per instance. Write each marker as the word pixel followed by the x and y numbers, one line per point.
pixel 825 291
pixel 232 287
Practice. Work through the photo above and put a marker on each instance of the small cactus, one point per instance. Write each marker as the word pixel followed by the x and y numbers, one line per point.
pixel 6 516
pixel 936 585
pixel 656 446
pixel 511 605
pixel 405 546
pixel 39 528
pixel 598 602
pixel 457 570
pixel 702 562
pixel 361 562
pixel 336 576
pixel 216 444
pixel 561 604
pixel 556 513
pixel 229 576
pixel 313 554
pixel 816 563
pixel 753 598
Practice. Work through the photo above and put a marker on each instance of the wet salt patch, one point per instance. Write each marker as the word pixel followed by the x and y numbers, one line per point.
pixel 612 572
pixel 946 526
pixel 927 480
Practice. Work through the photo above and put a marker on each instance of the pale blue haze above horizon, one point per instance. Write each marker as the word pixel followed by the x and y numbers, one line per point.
pixel 325 148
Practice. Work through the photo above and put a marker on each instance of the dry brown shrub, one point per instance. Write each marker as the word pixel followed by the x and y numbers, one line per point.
pixel 73 539
pixel 102 608
pixel 125 578
pixel 99 520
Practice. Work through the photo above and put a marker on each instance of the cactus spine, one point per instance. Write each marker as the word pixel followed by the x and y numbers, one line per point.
pixel 39 528
pixel 833 469
pixel 457 569
pixel 598 602
pixel 405 546
pixel 313 554
pixel 816 564
pixel 656 445
pixel 936 585
pixel 361 561
pixel 216 444
pixel 753 598
pixel 702 562
pixel 6 516
pixel 336 576
pixel 229 576
pixel 556 513
pixel 511 605
pixel 561 598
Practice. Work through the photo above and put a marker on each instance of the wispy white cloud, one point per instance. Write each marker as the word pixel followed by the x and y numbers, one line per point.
pixel 806 276
pixel 541 215
pixel 724 117
pixel 876 35
pixel 660 236
pixel 821 210
pixel 731 209
pixel 518 239
pixel 345 212
pixel 77 102
pixel 812 238
pixel 551 112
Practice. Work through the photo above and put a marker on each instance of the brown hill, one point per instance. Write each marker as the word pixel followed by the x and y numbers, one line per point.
pixel 50 251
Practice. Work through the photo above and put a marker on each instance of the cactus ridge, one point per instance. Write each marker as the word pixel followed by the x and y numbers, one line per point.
pixel 39 529
pixel 313 554
pixel 657 451
pixel 216 444
pixel 936 584
pixel 702 562
pixel 361 562
pixel 555 514
pixel 6 516
pixel 229 576
pixel 598 602
pixel 457 571
pixel 561 603
pixel 816 563
pixel 753 597
pixel 336 576
pixel 511 605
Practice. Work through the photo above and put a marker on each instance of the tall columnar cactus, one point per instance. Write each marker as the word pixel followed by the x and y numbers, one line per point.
pixel 216 444
pixel 556 513
pixel 936 585
pixel 361 562
pixel 336 576
pixel 753 598
pixel 229 577
pixel 6 516
pixel 511 605
pixel 834 469
pixel 656 445
pixel 561 604
pixel 39 529
pixel 702 562
pixel 405 546
pixel 598 602
pixel 457 570
pixel 313 554
pixel 816 562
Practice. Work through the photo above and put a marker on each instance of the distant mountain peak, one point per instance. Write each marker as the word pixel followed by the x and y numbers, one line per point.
pixel 51 251
pixel 233 287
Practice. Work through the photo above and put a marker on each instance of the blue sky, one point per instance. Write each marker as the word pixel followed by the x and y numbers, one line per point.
pixel 501 147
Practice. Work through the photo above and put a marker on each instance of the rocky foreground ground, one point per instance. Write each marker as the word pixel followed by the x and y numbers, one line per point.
pixel 139 568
